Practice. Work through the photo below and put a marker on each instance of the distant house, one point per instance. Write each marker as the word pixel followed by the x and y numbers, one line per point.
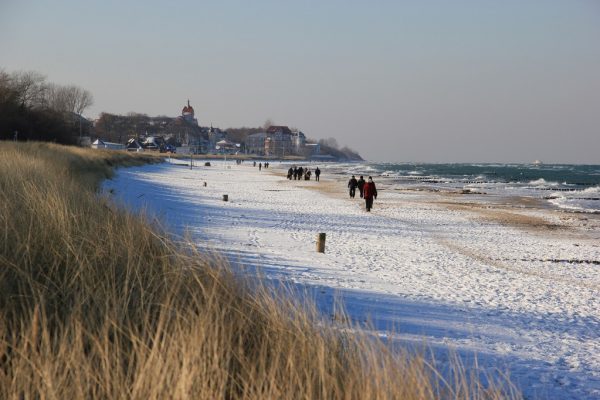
pixel 226 147
pixel 255 143
pixel 312 149
pixel 214 136
pixel 298 141
pixel 276 141
pixel 279 141
pixel 100 144
pixel 134 145
pixel 153 143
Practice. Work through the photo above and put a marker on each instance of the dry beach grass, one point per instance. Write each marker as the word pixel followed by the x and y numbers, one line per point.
pixel 98 303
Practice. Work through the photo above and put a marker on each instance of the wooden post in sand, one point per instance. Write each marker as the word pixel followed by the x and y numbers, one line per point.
pixel 204 184
pixel 225 197
pixel 321 243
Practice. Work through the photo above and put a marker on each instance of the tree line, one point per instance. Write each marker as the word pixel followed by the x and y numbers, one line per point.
pixel 31 108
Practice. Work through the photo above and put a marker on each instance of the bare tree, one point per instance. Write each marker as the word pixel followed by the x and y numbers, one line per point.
pixel 4 78
pixel 5 87
pixel 77 99
pixel 56 98
pixel 68 99
pixel 330 142
pixel 267 124
pixel 30 86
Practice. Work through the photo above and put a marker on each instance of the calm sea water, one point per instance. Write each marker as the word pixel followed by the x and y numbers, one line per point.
pixel 569 187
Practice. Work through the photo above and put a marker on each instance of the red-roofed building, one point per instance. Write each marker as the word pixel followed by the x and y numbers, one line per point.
pixel 278 141
pixel 187 113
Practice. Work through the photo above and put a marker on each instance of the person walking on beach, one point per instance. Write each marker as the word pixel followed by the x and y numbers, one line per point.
pixel 290 173
pixel 259 166
pixel 361 184
pixel 317 174
pixel 369 192
pixel 300 173
pixel 352 183
pixel 254 164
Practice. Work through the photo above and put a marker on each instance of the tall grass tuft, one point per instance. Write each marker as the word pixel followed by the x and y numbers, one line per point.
pixel 98 303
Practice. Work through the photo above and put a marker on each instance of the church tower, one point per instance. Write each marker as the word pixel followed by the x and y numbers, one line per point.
pixel 188 113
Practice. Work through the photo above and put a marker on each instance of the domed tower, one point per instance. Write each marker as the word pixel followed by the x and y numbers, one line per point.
pixel 188 112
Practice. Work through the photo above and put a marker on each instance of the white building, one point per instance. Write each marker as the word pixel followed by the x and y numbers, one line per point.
pixel 100 144
pixel 298 141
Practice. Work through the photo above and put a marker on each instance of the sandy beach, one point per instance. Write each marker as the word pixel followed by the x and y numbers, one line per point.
pixel 508 281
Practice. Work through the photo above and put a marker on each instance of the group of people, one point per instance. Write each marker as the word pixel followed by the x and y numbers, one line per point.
pixel 260 165
pixel 298 173
pixel 367 190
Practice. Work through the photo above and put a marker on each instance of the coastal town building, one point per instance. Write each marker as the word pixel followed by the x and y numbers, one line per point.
pixel 134 145
pixel 101 144
pixel 278 141
pixel 214 135
pixel 312 149
pixel 183 132
pixel 188 114
pixel 255 143
pixel 226 147
pixel 298 141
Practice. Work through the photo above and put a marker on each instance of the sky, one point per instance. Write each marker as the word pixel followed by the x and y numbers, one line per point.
pixel 398 81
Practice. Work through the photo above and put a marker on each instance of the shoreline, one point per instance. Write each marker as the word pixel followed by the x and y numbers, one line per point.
pixel 527 213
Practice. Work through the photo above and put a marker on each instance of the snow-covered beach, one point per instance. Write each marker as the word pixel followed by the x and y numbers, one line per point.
pixel 516 286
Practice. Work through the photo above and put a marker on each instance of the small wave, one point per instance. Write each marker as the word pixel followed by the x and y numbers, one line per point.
pixel 390 174
pixel 591 190
pixel 543 182
pixel 591 193
pixel 585 205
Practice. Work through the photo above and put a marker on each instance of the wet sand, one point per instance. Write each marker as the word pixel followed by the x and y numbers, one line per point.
pixel 526 213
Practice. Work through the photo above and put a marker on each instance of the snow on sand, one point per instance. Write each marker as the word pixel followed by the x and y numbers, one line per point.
pixel 435 272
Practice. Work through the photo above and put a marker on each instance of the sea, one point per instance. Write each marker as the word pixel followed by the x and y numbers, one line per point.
pixel 573 188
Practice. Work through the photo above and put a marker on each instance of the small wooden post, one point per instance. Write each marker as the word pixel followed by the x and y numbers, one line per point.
pixel 321 243
pixel 225 197
pixel 204 184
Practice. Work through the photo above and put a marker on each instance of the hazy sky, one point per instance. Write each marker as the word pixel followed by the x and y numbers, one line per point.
pixel 441 81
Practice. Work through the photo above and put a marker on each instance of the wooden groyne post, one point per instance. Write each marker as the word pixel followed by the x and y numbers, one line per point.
pixel 225 197
pixel 321 243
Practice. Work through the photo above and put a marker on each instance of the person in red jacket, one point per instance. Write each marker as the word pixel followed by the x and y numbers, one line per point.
pixel 369 193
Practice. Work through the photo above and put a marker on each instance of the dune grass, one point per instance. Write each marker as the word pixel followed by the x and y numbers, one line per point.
pixel 99 303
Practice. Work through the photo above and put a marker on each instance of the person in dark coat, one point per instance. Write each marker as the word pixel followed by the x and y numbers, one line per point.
pixel 300 173
pixel 259 166
pixel 369 193
pixel 361 184
pixel 290 173
pixel 317 173
pixel 352 183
